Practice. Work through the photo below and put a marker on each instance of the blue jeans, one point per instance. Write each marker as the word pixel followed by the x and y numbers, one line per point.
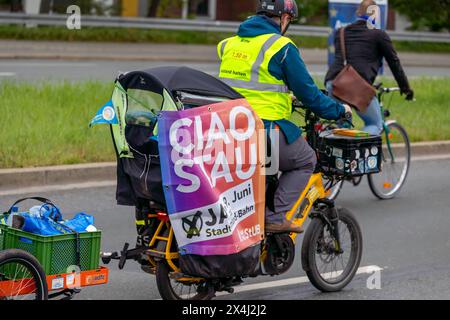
pixel 372 118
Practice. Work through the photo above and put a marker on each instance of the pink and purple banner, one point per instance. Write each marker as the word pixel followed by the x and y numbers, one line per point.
pixel 213 175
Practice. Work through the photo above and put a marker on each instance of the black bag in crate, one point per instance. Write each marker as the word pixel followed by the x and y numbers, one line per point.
pixel 349 156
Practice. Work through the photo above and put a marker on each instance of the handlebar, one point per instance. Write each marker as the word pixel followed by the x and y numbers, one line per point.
pixel 348 117
pixel 381 89
pixel 297 104
pixel 389 90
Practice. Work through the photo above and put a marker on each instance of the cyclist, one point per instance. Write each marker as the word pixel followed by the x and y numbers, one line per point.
pixel 265 66
pixel 366 48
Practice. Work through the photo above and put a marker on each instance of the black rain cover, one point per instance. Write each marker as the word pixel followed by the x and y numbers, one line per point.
pixel 192 81
pixel 140 179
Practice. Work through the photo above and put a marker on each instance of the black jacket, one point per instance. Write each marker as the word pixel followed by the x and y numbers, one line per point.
pixel 366 49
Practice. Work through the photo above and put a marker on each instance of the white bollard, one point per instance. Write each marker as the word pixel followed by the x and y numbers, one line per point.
pixel 185 10
pixel 32 7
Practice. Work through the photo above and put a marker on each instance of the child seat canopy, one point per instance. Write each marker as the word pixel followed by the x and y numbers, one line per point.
pixel 184 79
pixel 138 98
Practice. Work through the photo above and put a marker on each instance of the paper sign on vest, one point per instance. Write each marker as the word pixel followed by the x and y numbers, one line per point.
pixel 213 177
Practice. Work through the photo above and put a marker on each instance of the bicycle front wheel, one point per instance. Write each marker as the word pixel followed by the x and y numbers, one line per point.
pixel 328 267
pixel 21 277
pixel 396 160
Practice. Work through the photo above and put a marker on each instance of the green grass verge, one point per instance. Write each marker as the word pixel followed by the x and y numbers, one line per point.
pixel 47 124
pixel 171 36
pixel 426 119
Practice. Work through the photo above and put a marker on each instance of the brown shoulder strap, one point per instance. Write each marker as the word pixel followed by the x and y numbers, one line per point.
pixel 344 51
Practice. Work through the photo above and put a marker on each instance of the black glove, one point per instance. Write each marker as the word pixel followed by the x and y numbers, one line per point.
pixel 409 94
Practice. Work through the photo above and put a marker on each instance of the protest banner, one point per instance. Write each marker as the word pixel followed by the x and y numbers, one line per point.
pixel 213 176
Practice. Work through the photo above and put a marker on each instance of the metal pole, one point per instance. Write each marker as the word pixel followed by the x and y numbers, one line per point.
pixel 185 12
pixel 213 9
pixel 32 7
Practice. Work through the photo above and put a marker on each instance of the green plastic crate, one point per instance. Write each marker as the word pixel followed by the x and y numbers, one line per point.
pixel 55 253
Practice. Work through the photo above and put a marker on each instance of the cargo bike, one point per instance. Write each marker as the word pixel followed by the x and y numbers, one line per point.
pixel 332 245
pixel 35 267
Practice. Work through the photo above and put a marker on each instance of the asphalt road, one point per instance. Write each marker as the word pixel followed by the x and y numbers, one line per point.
pixel 56 70
pixel 408 237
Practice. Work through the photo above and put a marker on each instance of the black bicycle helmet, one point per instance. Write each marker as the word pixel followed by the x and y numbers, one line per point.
pixel 277 8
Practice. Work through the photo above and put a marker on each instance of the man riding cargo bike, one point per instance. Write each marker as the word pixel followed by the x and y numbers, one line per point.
pixel 207 216
pixel 265 66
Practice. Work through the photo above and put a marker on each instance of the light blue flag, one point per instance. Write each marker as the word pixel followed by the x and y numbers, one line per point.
pixel 106 115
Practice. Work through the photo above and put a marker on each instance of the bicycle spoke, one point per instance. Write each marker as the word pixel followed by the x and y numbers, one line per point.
pixel 23 285
pixel 330 264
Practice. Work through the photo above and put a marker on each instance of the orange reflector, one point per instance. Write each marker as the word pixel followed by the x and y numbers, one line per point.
pixel 391 136
pixel 387 185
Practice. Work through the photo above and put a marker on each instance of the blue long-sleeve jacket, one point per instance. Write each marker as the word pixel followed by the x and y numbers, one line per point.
pixel 287 65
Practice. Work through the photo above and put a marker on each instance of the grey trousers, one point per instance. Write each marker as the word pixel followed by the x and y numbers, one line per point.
pixel 297 162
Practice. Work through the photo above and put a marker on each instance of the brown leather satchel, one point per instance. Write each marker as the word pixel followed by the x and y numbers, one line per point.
pixel 349 86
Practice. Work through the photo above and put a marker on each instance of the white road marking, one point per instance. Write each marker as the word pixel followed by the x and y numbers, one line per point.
pixel 293 281
pixel 7 74
pixel 51 188
pixel 430 158
pixel 47 64
pixel 289 282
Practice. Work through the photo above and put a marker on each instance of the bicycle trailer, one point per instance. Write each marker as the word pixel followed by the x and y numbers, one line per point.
pixel 70 261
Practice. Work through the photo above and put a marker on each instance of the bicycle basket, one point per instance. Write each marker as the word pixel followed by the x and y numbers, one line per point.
pixel 349 156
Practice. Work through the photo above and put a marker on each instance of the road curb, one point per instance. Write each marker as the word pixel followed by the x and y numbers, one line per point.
pixel 308 59
pixel 13 179
pixel 168 53
pixel 133 58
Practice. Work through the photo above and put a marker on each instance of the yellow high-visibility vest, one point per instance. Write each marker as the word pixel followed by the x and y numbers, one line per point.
pixel 245 68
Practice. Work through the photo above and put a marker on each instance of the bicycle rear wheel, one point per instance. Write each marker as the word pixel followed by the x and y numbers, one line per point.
pixel 172 289
pixel 21 277
pixel 395 165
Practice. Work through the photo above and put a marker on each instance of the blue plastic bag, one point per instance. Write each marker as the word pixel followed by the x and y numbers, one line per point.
pixel 42 225
pixel 80 222
pixel 47 220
